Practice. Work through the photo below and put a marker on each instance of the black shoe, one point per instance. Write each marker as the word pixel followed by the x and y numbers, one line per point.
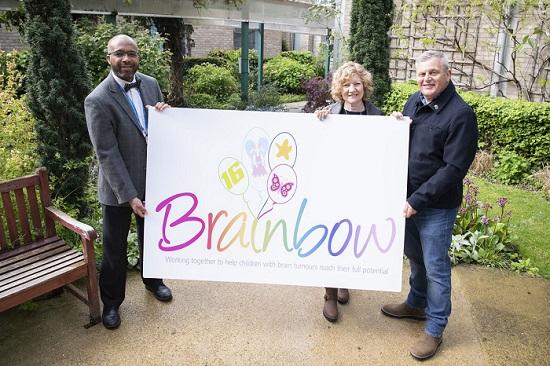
pixel 111 318
pixel 160 292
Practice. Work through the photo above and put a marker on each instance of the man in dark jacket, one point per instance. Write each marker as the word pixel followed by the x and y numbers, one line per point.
pixel 443 142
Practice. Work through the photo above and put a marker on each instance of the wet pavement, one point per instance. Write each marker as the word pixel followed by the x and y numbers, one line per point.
pixel 499 318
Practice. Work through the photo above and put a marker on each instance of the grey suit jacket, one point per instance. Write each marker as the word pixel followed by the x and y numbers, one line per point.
pixel 118 141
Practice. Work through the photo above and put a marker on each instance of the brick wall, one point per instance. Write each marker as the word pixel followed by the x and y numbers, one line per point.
pixel 209 37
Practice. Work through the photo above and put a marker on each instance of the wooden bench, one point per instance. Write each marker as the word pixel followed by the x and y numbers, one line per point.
pixel 33 259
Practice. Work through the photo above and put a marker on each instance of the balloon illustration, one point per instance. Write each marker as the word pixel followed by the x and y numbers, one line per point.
pixel 233 176
pixel 265 176
pixel 282 150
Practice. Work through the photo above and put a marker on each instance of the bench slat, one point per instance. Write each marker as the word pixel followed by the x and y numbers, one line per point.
pixel 35 213
pixel 51 254
pixel 10 218
pixel 40 272
pixel 29 250
pixel 41 285
pixel 23 217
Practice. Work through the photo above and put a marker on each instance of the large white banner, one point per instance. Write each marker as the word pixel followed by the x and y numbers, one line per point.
pixel 279 198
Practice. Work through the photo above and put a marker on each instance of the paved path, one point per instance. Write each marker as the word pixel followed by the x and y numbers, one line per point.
pixel 499 318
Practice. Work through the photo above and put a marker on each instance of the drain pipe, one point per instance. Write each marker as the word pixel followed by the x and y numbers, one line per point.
pixel 504 50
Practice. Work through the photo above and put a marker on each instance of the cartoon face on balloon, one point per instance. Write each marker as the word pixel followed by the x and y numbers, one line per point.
pixel 281 184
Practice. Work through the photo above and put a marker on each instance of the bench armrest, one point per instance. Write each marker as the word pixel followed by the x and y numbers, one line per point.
pixel 85 231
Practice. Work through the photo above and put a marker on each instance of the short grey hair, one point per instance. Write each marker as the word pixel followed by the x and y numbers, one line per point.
pixel 428 55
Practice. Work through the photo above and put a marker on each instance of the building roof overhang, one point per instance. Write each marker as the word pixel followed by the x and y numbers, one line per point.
pixel 283 15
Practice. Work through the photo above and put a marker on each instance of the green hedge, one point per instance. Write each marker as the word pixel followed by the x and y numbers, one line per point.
pixel 288 74
pixel 214 81
pixel 190 62
pixel 504 125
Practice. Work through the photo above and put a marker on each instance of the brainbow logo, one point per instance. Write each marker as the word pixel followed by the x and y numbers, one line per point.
pixel 249 177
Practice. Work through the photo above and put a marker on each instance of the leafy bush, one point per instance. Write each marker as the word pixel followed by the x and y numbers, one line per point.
pixel 17 143
pixel 214 81
pixel 91 39
pixel 481 238
pixel 303 57
pixel 233 57
pixel 511 168
pixel 267 99
pixel 513 125
pixel 307 58
pixel 190 62
pixel 504 125
pixel 287 74
pixel 317 94
pixel 397 97
pixel 202 100
pixel 21 61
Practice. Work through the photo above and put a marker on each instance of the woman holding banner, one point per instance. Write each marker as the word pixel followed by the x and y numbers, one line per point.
pixel 351 87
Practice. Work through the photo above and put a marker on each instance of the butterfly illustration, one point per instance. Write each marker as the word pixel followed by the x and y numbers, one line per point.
pixel 285 188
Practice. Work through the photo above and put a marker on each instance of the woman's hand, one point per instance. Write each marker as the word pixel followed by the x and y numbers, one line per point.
pixel 321 113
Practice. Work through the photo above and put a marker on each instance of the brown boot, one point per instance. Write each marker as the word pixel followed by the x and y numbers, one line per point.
pixel 403 311
pixel 426 347
pixel 343 296
pixel 330 310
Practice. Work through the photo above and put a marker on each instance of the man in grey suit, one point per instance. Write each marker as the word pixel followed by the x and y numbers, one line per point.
pixel 116 115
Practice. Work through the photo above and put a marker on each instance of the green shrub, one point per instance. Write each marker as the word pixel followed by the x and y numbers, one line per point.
pixel 267 99
pixel 287 74
pixel 513 125
pixel 17 143
pixel 397 97
pixel 510 168
pixel 202 100
pixel 504 125
pixel 190 62
pixel 91 39
pixel 217 82
pixel 307 58
pixel 303 57
pixel 233 57
pixel 21 61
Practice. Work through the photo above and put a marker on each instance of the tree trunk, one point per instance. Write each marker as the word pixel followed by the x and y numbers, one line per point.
pixel 177 38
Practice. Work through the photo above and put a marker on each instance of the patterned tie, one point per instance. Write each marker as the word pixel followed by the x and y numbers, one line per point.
pixel 132 85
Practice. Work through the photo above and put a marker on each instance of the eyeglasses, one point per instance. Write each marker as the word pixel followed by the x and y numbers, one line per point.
pixel 120 54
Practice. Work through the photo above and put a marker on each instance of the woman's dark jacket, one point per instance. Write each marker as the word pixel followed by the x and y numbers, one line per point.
pixel 336 108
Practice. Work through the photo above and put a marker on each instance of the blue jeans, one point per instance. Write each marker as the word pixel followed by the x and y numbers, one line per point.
pixel 427 240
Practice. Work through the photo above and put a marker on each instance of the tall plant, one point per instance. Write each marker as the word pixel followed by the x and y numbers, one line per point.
pixel 370 43
pixel 57 86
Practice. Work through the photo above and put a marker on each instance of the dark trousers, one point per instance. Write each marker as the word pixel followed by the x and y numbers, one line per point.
pixel 112 278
